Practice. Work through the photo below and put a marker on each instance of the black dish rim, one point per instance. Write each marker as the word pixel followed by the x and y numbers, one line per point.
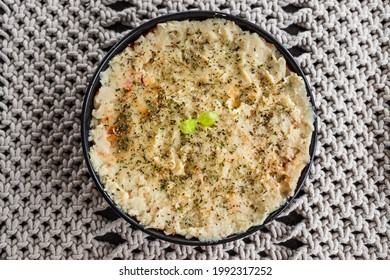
pixel 95 84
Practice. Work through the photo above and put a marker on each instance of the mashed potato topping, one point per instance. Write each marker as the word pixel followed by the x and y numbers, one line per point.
pixel 217 180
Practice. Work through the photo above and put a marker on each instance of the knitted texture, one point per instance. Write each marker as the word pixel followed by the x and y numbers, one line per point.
pixel 49 206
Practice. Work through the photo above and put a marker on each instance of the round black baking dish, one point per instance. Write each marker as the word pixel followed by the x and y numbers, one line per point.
pixel 95 85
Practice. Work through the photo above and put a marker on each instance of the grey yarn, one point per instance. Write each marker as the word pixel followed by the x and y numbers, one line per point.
pixel 49 206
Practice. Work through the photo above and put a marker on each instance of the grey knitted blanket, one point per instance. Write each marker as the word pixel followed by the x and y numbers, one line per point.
pixel 49 206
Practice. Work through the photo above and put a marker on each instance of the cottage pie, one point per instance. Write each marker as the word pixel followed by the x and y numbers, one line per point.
pixel 200 129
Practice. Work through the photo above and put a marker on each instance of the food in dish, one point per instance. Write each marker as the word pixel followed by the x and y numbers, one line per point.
pixel 200 129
